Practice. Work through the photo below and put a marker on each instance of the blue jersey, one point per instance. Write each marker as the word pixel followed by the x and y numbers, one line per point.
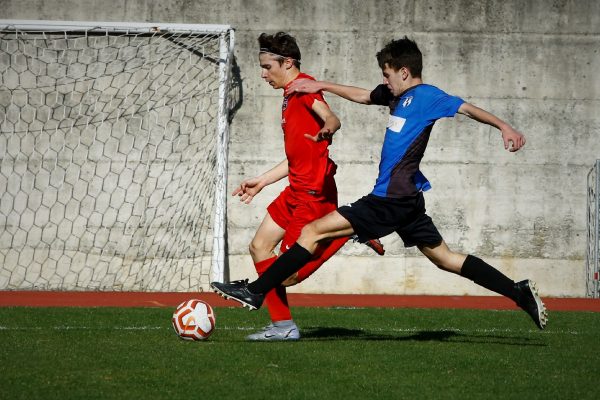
pixel 412 116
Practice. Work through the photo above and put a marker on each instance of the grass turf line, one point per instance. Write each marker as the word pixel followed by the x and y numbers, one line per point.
pixel 115 353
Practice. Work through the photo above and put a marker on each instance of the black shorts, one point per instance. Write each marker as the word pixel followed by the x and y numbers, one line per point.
pixel 373 217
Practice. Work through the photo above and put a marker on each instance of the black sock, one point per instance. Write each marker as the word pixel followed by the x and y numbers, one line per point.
pixel 289 262
pixel 489 277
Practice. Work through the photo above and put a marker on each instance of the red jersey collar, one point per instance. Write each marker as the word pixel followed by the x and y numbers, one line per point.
pixel 301 75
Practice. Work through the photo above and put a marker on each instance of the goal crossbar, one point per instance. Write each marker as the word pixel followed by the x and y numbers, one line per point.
pixel 128 27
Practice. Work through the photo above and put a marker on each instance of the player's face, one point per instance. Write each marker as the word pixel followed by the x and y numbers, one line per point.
pixel 274 73
pixel 395 80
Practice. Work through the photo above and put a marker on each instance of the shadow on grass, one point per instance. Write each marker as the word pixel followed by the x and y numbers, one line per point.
pixel 335 333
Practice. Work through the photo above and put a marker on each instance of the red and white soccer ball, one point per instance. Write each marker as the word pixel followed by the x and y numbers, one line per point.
pixel 194 320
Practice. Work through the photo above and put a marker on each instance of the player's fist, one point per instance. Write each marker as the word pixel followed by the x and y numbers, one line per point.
pixel 323 134
pixel 513 140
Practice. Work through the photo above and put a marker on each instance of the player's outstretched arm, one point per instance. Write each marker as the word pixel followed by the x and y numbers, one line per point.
pixel 252 186
pixel 352 93
pixel 513 140
pixel 331 122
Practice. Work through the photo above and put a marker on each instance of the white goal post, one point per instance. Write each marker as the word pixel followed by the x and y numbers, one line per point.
pixel 113 155
pixel 593 232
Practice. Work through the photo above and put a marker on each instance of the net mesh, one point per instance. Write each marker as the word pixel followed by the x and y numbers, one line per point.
pixel 108 147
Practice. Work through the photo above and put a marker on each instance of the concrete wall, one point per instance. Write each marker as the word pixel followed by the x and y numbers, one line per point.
pixel 533 63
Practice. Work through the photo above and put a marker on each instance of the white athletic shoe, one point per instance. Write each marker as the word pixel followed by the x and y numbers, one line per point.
pixel 276 333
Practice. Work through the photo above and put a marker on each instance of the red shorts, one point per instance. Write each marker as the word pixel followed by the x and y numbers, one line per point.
pixel 292 212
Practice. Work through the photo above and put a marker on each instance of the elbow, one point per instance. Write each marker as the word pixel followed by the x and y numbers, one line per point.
pixel 333 123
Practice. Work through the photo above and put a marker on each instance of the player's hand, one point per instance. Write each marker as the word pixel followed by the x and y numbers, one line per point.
pixel 303 86
pixel 248 189
pixel 513 140
pixel 323 134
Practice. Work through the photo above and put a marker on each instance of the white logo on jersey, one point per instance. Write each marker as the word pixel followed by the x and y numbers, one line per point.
pixel 407 101
pixel 395 123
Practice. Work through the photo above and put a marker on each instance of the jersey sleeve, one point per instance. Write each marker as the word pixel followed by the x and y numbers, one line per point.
pixel 443 105
pixel 381 96
pixel 309 98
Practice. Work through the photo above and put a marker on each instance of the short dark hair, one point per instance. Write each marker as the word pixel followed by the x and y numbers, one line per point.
pixel 402 53
pixel 280 44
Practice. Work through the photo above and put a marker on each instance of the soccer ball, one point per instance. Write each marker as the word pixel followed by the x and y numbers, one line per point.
pixel 194 320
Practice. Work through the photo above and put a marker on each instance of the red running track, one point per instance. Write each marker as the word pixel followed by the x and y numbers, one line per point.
pixel 154 299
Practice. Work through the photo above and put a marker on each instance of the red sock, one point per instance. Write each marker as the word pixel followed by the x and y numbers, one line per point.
pixel 276 299
pixel 322 254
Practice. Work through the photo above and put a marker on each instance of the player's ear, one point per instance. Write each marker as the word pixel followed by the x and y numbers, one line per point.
pixel 405 73
pixel 288 63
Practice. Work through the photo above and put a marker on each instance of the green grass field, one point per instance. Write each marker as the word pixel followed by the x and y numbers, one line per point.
pixel 132 353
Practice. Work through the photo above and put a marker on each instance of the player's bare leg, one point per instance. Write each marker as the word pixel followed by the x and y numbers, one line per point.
pixel 267 237
pixel 443 257
pixel 262 249
pixel 524 293
pixel 328 227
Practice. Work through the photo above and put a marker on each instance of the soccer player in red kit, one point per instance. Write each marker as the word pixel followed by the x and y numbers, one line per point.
pixel 308 125
pixel 396 203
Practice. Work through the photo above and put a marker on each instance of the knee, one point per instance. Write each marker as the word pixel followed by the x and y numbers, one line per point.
pixel 259 248
pixel 309 232
pixel 451 262
pixel 444 258
pixel 443 266
pixel 253 248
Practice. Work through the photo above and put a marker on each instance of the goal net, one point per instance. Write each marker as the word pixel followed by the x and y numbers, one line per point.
pixel 593 232
pixel 113 145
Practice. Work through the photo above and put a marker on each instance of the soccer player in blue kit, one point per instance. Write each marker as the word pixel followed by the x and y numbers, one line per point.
pixel 396 203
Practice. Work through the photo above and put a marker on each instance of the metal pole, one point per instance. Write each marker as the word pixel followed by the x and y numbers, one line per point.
pixel 226 41
pixel 597 234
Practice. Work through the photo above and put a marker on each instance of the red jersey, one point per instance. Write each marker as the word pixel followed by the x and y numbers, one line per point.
pixel 308 161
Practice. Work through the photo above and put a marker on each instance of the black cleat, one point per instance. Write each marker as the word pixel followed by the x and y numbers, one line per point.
pixel 373 244
pixel 530 301
pixel 238 291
